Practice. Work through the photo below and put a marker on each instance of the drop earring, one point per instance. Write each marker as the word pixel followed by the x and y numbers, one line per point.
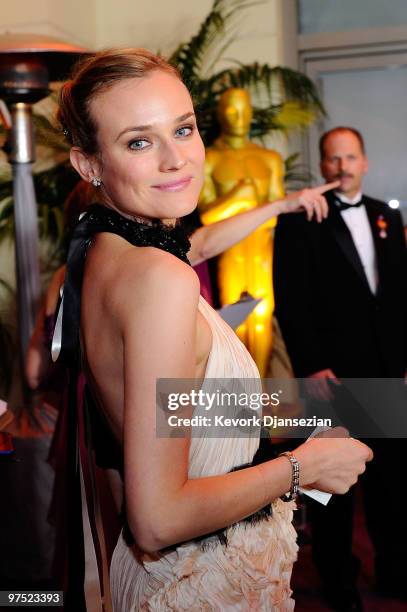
pixel 96 182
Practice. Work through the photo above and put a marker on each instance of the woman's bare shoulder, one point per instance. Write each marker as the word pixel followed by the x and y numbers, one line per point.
pixel 137 275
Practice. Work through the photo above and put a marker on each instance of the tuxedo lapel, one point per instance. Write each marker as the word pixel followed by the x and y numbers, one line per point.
pixel 344 238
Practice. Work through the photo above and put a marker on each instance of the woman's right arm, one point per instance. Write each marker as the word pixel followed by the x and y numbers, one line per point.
pixel 158 318
pixel 211 240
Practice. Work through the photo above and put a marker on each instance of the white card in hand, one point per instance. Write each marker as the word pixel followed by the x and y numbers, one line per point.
pixel 320 496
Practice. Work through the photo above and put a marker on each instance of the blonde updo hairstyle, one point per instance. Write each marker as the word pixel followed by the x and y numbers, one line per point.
pixel 93 75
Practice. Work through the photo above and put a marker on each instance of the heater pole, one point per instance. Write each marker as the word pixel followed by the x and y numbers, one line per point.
pixel 25 220
pixel 28 62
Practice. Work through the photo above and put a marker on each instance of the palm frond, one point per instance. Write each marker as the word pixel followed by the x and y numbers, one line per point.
pixel 282 117
pixel 190 57
pixel 5 171
pixel 5 285
pixel 6 218
pixel 286 100
pixel 296 175
pixel 52 188
pixel 48 135
pixel 277 82
pixel 294 115
pixel 297 86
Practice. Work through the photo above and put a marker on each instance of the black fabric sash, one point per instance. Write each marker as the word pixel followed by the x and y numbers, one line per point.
pixel 82 427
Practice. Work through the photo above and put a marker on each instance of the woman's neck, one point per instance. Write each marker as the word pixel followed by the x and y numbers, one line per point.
pixel 139 218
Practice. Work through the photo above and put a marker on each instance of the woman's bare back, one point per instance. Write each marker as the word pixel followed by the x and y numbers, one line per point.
pixel 105 279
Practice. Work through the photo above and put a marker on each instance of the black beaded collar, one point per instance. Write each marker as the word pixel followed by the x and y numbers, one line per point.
pixel 98 219
pixel 172 239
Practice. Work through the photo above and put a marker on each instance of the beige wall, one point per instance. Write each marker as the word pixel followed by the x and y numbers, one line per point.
pixel 156 24
pixel 73 20
pixel 162 25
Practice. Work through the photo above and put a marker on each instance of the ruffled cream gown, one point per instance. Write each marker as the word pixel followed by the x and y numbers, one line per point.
pixel 252 572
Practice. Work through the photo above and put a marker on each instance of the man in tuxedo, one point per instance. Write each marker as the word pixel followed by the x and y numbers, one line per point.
pixel 341 301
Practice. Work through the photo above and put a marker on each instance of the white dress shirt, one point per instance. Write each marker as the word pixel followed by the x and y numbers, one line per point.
pixel 358 224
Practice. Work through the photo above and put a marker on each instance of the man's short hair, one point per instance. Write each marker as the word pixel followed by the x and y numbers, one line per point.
pixel 339 129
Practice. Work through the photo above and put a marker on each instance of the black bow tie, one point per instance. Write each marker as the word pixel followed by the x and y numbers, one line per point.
pixel 344 205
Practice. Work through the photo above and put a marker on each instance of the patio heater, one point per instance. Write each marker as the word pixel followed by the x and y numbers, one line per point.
pixel 28 62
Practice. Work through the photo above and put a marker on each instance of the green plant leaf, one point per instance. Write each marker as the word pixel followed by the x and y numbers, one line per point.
pixel 296 175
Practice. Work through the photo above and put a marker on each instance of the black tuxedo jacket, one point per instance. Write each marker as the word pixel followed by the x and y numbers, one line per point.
pixel 328 315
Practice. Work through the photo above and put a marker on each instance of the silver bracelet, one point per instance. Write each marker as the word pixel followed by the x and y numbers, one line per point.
pixel 295 481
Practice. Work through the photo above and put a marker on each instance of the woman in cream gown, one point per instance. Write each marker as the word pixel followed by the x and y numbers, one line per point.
pixel 252 571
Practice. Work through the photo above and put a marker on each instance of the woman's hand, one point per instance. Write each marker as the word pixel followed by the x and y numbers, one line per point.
pixel 332 461
pixel 312 201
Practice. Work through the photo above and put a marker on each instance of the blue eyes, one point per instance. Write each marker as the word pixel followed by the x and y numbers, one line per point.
pixel 184 131
pixel 139 144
